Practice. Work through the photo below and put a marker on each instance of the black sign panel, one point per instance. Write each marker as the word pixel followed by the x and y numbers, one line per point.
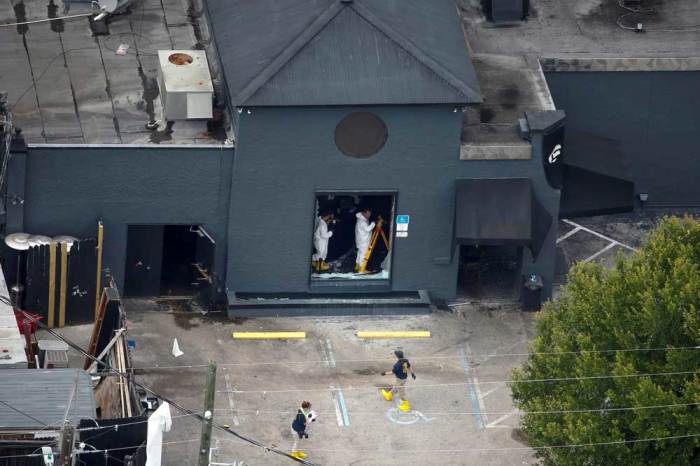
pixel 553 157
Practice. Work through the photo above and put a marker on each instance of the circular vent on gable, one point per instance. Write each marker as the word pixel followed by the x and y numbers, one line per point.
pixel 360 134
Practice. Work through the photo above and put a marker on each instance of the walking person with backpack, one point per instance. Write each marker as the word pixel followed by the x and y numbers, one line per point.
pixel 401 369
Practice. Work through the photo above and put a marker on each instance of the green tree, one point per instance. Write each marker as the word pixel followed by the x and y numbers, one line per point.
pixel 651 299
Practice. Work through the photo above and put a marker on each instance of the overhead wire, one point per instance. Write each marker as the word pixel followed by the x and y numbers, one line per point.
pixel 497 449
pixel 465 413
pixel 177 406
pixel 480 382
pixel 425 358
pixel 431 413
pixel 256 443
pixel 19 411
pixel 415 451
pixel 44 20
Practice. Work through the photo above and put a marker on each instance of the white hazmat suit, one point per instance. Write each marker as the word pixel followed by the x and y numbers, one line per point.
pixel 363 234
pixel 321 237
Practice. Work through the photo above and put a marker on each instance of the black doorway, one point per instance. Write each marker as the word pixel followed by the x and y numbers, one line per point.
pixel 144 256
pixel 489 272
pixel 161 260
pixel 179 255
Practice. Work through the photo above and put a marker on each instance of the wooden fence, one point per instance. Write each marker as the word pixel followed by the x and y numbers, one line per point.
pixel 61 283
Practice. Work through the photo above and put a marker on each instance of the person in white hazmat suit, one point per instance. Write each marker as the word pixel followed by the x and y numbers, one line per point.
pixel 363 234
pixel 322 235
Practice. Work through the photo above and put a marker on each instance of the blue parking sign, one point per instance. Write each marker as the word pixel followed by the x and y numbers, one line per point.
pixel 403 219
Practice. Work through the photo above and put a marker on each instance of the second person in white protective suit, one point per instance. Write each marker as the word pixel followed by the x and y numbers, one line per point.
pixel 321 237
pixel 363 234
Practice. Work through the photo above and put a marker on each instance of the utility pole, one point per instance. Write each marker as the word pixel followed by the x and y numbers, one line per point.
pixel 208 421
pixel 67 434
pixel 68 431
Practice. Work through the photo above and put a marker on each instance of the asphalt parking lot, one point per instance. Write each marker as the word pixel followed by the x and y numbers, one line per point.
pixel 461 414
pixel 461 407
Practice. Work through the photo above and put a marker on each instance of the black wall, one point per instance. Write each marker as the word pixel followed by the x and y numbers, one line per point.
pixel 259 206
pixel 640 126
pixel 67 189
pixel 287 155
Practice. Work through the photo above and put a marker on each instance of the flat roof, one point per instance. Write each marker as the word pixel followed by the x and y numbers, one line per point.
pixel 588 29
pixel 43 396
pixel 574 35
pixel 67 86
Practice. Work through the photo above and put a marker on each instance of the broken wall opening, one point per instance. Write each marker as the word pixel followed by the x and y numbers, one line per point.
pixel 337 256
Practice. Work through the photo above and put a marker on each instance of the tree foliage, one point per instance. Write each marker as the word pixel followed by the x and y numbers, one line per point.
pixel 649 300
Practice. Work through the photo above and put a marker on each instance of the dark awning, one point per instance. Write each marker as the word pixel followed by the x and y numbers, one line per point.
pixel 500 211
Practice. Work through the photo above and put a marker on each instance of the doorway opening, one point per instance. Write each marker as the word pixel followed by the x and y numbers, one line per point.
pixel 489 272
pixel 168 260
pixel 179 254
pixel 352 236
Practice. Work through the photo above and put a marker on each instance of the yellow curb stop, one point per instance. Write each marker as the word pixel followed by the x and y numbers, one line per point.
pixel 403 334
pixel 268 335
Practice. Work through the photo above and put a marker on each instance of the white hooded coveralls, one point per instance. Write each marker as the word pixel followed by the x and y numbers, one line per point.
pixel 363 234
pixel 321 237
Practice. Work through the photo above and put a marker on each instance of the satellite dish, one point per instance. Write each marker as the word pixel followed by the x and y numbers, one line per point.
pixel 69 240
pixel 17 241
pixel 39 240
pixel 112 6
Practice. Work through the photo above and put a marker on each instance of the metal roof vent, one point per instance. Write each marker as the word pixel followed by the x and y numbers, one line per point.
pixel 185 84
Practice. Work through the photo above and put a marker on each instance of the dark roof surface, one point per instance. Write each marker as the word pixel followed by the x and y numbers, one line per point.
pixel 328 52
pixel 44 395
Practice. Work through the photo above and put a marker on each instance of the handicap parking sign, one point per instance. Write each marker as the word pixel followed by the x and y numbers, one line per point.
pixel 402 225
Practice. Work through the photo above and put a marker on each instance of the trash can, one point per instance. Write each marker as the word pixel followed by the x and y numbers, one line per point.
pixel 531 297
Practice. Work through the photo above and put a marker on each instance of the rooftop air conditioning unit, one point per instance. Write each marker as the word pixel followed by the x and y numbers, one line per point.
pixel 500 11
pixel 185 84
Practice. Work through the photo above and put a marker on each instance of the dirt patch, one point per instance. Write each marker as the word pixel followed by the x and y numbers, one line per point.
pixel 519 436
pixel 182 312
pixel 365 372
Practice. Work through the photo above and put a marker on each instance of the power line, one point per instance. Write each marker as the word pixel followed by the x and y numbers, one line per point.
pixel 464 413
pixel 426 358
pixel 415 451
pixel 485 382
pixel 41 423
pixel 106 450
pixel 431 413
pixel 172 402
pixel 498 449
pixel 82 15
pixel 119 426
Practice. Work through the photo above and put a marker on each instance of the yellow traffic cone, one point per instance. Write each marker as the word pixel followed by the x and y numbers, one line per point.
pixel 405 406
pixel 388 396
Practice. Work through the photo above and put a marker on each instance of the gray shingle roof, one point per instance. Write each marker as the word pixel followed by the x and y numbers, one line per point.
pixel 44 395
pixel 328 52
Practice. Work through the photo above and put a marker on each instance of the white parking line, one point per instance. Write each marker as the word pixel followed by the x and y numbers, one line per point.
pixel 331 357
pixel 338 415
pixel 599 235
pixel 495 424
pixel 341 411
pixel 488 392
pixel 231 404
pixel 570 233
pixel 606 248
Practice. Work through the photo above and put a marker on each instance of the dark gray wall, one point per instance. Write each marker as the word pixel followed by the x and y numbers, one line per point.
pixel 646 124
pixel 68 189
pixel 285 155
